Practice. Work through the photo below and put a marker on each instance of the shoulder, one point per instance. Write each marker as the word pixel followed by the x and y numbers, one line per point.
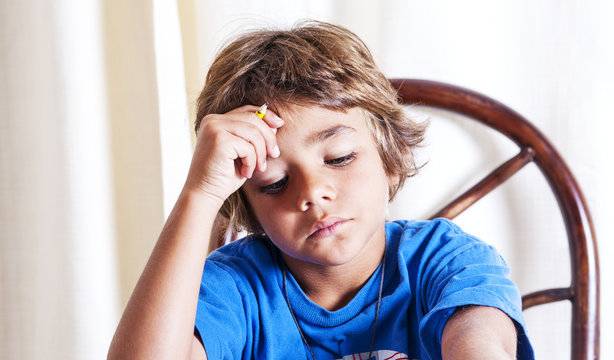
pixel 440 243
pixel 240 258
pixel 423 227
pixel 429 234
pixel 249 246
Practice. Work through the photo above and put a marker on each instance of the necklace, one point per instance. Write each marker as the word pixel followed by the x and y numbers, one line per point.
pixel 379 301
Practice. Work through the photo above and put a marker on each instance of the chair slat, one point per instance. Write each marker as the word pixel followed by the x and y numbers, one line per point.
pixel 486 185
pixel 546 296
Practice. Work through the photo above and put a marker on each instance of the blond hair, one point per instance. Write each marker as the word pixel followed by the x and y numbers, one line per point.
pixel 312 64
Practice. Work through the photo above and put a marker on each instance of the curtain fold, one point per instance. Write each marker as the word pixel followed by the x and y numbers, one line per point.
pixel 94 146
pixel 57 229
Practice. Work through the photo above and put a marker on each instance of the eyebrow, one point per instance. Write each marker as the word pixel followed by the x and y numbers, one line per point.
pixel 325 134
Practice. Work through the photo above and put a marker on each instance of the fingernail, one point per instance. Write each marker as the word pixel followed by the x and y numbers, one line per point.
pixel 276 151
pixel 274 130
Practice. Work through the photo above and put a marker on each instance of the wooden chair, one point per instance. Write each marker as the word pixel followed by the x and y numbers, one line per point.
pixel 583 292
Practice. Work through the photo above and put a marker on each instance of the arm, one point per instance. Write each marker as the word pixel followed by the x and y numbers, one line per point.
pixel 478 332
pixel 158 322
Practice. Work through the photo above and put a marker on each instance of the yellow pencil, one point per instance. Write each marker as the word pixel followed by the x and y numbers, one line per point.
pixel 262 110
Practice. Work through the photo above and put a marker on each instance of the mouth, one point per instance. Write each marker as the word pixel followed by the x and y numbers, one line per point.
pixel 326 227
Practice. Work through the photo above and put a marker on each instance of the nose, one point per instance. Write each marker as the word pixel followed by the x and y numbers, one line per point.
pixel 314 189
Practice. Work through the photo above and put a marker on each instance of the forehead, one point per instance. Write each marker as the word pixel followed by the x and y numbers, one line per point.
pixel 308 125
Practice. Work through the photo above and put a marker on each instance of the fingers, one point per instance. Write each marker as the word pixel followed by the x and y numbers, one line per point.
pixel 248 159
pixel 252 139
pixel 268 127
pixel 251 135
pixel 271 119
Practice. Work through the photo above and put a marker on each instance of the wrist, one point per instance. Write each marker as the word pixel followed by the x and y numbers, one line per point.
pixel 192 217
pixel 201 198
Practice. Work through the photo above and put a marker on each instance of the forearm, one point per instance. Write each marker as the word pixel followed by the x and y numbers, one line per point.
pixel 158 321
pixel 479 333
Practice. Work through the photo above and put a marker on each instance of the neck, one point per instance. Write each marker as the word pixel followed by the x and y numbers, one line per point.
pixel 332 287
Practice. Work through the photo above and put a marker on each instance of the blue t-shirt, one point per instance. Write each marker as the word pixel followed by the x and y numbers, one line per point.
pixel 431 268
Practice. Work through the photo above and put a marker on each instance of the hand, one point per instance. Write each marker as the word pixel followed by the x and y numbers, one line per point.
pixel 229 148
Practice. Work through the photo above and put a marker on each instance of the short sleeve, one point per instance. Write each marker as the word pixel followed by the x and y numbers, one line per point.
pixel 220 316
pixel 462 270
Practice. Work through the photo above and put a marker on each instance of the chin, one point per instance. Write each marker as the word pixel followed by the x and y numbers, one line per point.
pixel 336 259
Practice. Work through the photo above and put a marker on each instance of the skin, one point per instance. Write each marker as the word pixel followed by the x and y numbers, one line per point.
pixel 479 332
pixel 158 322
pixel 325 160
pixel 301 177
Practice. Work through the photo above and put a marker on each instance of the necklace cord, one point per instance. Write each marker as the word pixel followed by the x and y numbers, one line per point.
pixel 379 301
pixel 293 316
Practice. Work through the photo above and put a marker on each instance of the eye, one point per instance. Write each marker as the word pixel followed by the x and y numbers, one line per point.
pixel 341 161
pixel 275 187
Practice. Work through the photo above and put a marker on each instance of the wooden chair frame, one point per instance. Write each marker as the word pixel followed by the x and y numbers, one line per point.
pixel 583 292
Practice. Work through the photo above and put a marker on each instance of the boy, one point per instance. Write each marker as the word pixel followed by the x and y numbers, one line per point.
pixel 322 276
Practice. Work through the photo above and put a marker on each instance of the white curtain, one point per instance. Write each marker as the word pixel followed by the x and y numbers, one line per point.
pixel 96 98
pixel 94 147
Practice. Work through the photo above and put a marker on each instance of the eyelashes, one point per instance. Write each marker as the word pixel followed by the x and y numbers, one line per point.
pixel 275 187
pixel 341 161
pixel 278 186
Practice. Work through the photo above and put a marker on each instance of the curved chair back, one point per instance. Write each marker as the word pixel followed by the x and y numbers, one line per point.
pixel 583 292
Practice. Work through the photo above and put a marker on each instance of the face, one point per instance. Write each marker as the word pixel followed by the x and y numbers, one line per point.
pixel 323 201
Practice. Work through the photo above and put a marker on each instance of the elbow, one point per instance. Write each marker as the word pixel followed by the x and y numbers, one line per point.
pixel 479 333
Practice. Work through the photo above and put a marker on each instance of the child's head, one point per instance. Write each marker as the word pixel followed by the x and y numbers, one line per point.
pixel 312 64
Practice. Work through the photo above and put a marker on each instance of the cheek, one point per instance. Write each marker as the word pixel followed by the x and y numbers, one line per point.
pixel 373 175
pixel 258 209
pixel 272 218
pixel 367 190
pixel 263 216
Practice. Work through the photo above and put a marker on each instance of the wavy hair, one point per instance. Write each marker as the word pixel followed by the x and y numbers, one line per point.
pixel 312 64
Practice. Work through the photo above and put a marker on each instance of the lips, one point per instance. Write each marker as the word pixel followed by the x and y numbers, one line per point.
pixel 326 227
